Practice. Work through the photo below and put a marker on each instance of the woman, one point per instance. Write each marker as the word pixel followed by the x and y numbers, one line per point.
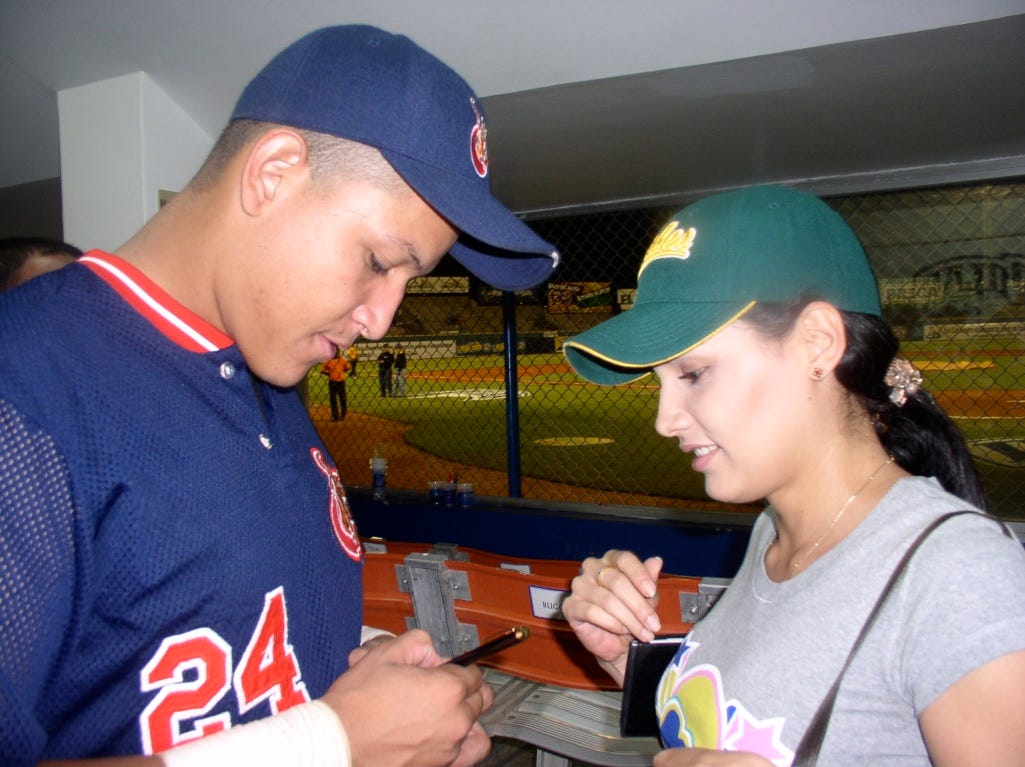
pixel 759 314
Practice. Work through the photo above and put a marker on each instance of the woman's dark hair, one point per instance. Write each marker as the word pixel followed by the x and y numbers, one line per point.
pixel 919 435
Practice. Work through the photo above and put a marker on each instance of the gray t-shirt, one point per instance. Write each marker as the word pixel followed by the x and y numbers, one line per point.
pixel 755 669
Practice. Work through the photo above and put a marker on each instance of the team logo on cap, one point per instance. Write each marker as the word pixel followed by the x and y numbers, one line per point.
pixel 479 142
pixel 671 242
pixel 341 519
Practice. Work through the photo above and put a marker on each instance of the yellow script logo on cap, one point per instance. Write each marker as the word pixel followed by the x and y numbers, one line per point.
pixel 671 242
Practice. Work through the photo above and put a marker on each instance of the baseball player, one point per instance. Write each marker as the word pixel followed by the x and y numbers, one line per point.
pixel 385 361
pixel 400 371
pixel 337 370
pixel 181 577
pixel 352 354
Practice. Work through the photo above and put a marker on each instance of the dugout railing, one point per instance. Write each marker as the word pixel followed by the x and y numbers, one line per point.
pixel 549 691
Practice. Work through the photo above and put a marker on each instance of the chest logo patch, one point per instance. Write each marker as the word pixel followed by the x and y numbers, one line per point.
pixel 341 518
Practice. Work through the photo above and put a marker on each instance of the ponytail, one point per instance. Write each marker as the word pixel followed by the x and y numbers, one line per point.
pixel 919 435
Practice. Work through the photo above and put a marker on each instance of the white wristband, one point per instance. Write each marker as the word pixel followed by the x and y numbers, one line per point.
pixel 369 632
pixel 307 735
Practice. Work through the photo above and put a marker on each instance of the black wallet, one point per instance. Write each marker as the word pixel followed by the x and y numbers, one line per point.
pixel 645 663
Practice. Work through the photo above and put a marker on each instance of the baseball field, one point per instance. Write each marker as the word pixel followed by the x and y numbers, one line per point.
pixel 584 443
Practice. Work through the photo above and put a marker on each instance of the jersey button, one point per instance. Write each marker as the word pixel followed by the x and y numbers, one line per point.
pixel 227 370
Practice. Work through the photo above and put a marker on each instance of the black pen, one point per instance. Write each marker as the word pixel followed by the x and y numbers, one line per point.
pixel 497 643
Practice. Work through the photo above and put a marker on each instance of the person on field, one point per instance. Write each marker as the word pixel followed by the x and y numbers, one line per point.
pixel 352 354
pixel 400 371
pixel 337 370
pixel 385 363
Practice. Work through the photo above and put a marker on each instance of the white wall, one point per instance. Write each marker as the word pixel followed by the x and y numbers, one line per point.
pixel 174 146
pixel 122 140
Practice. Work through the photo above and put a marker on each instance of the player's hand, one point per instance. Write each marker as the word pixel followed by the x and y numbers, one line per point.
pixel 360 652
pixel 703 757
pixel 613 601
pixel 401 707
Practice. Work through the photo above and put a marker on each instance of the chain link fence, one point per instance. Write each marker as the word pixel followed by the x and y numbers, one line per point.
pixel 951 268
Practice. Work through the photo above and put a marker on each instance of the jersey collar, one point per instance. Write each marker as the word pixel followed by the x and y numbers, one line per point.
pixel 180 325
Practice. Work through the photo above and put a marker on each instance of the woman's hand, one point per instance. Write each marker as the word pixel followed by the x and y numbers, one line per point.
pixel 703 757
pixel 613 601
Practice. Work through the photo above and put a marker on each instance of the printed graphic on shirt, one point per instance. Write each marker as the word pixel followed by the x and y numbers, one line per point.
pixel 694 712
pixel 341 518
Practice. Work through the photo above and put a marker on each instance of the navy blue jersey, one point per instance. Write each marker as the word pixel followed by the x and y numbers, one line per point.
pixel 176 553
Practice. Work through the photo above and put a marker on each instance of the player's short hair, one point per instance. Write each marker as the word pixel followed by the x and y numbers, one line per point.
pixel 331 158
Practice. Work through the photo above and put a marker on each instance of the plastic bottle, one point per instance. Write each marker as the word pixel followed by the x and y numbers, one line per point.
pixel 379 469
pixel 449 490
pixel 435 491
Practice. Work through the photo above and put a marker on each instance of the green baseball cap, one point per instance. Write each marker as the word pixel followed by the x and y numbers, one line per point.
pixel 711 263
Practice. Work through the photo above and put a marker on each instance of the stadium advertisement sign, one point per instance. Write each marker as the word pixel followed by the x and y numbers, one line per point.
pixel 438 286
pixel 485 295
pixel 973 331
pixel 579 297
pixel 494 343
pixel 912 290
pixel 417 347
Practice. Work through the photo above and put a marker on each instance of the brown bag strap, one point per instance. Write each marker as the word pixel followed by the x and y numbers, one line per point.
pixel 807 753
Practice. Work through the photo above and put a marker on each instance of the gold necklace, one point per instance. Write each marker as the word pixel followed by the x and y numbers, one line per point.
pixel 794 564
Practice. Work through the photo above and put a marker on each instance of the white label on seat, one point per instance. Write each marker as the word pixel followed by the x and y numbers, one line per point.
pixel 547 603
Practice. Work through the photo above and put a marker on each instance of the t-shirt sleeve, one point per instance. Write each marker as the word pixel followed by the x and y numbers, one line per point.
pixel 968 578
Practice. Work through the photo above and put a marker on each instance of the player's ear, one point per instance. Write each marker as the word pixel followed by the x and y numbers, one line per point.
pixel 277 160
pixel 822 333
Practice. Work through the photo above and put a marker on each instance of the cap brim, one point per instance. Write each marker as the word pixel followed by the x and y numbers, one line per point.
pixel 494 244
pixel 627 346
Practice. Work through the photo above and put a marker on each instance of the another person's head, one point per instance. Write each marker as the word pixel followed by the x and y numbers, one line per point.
pixel 22 258
pixel 760 314
pixel 363 160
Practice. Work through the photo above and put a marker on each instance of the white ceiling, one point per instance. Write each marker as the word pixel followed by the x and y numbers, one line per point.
pixel 589 101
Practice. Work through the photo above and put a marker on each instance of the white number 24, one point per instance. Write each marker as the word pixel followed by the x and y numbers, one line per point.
pixel 268 670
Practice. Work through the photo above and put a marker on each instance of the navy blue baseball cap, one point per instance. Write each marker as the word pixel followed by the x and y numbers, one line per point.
pixel 367 85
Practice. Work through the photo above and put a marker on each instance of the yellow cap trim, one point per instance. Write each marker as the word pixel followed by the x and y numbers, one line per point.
pixel 649 365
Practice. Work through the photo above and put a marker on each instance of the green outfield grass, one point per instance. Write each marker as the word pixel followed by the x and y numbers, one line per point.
pixel 604 437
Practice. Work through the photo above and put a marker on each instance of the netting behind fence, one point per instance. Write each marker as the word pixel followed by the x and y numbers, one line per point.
pixel 951 268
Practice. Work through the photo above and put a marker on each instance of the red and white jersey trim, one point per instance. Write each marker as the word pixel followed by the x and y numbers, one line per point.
pixel 184 327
